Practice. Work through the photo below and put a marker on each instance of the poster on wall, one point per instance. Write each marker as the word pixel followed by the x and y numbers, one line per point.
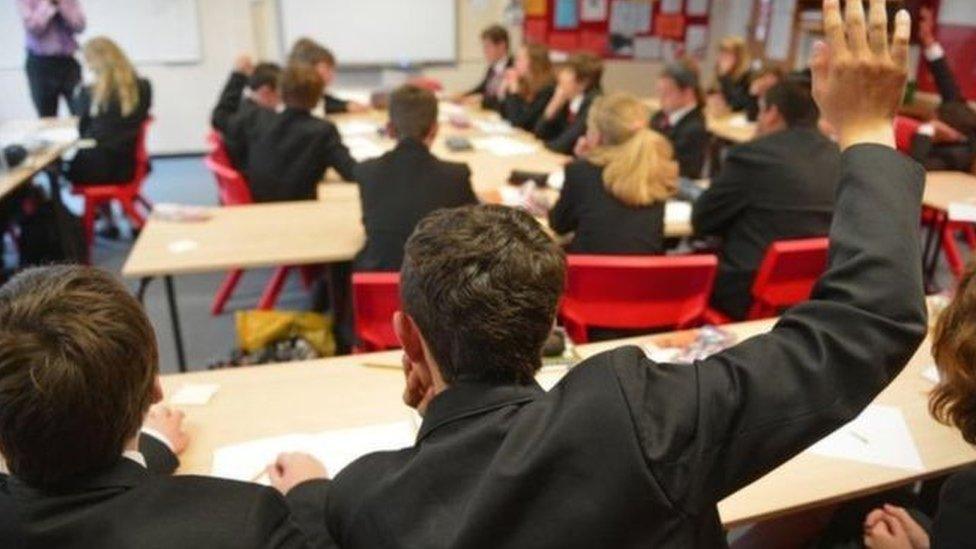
pixel 534 8
pixel 594 10
pixel 566 16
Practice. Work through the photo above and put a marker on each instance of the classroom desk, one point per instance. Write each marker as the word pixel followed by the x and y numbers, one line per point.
pixel 340 392
pixel 38 160
pixel 942 188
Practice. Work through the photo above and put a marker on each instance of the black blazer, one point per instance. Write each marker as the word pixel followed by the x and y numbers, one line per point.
pixel 334 105
pixel 399 189
pixel 490 103
pixel 603 224
pixel 286 155
pixel 952 526
pixel 525 114
pixel 561 132
pixel 689 137
pixel 736 90
pixel 237 118
pixel 776 187
pixel 625 452
pixel 112 160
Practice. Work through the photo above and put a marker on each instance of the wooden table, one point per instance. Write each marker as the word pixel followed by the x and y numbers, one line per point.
pixel 38 160
pixel 340 392
pixel 942 188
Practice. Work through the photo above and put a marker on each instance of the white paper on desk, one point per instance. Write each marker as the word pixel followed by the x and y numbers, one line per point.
pixel 676 211
pixel 878 436
pixel 336 449
pixel 739 121
pixel 197 394
pixel 496 127
pixel 357 127
pixel 556 180
pixel 362 148
pixel 962 211
pixel 503 146
pixel 447 108
pixel 931 373
pixel 57 135
pixel 549 376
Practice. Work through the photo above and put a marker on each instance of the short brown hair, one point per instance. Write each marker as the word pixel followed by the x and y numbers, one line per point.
pixel 301 87
pixel 496 34
pixel 310 52
pixel 413 111
pixel 953 401
pixel 482 284
pixel 78 361
pixel 587 67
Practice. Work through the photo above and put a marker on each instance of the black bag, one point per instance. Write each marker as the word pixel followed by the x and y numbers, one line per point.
pixel 40 240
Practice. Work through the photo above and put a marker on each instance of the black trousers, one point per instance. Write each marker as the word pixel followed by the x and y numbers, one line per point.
pixel 50 78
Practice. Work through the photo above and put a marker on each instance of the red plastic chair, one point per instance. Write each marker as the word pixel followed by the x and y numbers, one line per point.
pixel 375 297
pixel 787 274
pixel 635 292
pixel 905 130
pixel 127 194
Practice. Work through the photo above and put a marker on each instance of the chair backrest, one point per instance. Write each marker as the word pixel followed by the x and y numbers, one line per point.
pixel 232 188
pixel 142 151
pixel 787 274
pixel 905 130
pixel 217 148
pixel 638 291
pixel 375 297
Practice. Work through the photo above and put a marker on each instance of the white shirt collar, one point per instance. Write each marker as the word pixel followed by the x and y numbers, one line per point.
pixel 500 66
pixel 135 456
pixel 576 103
pixel 675 116
pixel 934 52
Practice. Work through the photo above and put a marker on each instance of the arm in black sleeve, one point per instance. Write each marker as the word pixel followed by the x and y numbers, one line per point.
pixel 160 460
pixel 309 503
pixel 269 524
pixel 82 108
pixel 548 128
pixel 690 148
pixel 338 155
pixel 334 105
pixel 564 216
pixel 525 114
pixel 468 196
pixel 945 81
pixel 229 101
pixel 482 86
pixel 737 415
pixel 736 92
pixel 724 199
pixel 952 526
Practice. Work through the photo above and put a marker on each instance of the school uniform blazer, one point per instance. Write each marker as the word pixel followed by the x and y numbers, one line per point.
pixel 602 223
pixel 127 507
pixel 952 527
pixel 490 103
pixel 334 105
pixel 561 132
pixel 689 137
pixel 287 154
pixel 625 452
pixel 399 189
pixel 735 91
pixel 236 117
pixel 777 187
pixel 113 159
pixel 523 113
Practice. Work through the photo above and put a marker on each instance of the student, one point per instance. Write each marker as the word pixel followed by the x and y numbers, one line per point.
pixel 78 374
pixel 764 79
pixel 563 122
pixel 952 134
pixel 528 87
pixel 613 198
pixel 112 109
pixel 495 47
pixel 681 118
pixel 732 73
pixel 401 187
pixel 311 53
pixel 625 452
pixel 778 186
pixel 286 154
pixel 261 82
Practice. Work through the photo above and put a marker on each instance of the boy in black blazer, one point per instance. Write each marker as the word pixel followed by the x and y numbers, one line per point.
pixel 286 154
pixel 625 452
pixel 234 113
pixel 401 187
pixel 317 56
pixel 681 118
pixel 78 374
pixel 496 48
pixel 563 122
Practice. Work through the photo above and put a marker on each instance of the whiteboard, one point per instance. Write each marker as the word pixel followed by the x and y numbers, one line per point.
pixel 374 32
pixel 150 31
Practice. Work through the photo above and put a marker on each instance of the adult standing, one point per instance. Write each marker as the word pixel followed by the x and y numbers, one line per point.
pixel 52 71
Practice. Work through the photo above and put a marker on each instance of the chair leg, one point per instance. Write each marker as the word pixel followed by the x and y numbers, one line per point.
pixel 225 290
pixel 970 232
pixel 273 288
pixel 129 207
pixel 951 249
pixel 88 222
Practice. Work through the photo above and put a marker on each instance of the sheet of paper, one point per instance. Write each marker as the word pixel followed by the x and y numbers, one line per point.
pixel 336 449
pixel 549 376
pixel 503 146
pixel 182 246
pixel 362 148
pixel 594 10
pixel 878 436
pixel 962 211
pixel 931 373
pixel 566 16
pixel 194 394
pixel 57 135
pixel 496 127
pixel 676 211
pixel 671 6
pixel 740 121
pixel 556 180
pixel 357 127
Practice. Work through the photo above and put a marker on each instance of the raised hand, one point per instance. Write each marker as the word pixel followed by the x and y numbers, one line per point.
pixel 858 79
pixel 244 65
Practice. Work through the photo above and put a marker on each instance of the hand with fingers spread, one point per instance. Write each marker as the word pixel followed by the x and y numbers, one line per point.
pixel 858 78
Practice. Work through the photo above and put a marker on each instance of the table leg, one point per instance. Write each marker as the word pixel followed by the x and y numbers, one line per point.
pixel 143 285
pixel 931 252
pixel 174 317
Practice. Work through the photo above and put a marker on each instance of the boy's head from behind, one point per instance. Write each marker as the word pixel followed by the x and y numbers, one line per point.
pixel 263 83
pixel 301 87
pixel 306 51
pixel 413 113
pixel 78 370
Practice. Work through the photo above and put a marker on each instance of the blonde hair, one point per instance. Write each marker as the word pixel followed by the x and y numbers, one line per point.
pixel 116 78
pixel 638 163
pixel 737 46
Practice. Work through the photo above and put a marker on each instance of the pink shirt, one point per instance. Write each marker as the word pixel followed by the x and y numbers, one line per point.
pixel 51 28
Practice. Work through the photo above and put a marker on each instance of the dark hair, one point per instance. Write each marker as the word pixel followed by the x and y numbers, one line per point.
pixel 413 111
pixel 496 34
pixel 301 87
pixel 482 284
pixel 78 361
pixel 587 68
pixel 310 52
pixel 953 401
pixel 684 74
pixel 265 74
pixel 794 103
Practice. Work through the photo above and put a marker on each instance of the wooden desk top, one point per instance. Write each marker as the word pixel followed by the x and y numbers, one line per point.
pixel 944 188
pixel 38 160
pixel 340 392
